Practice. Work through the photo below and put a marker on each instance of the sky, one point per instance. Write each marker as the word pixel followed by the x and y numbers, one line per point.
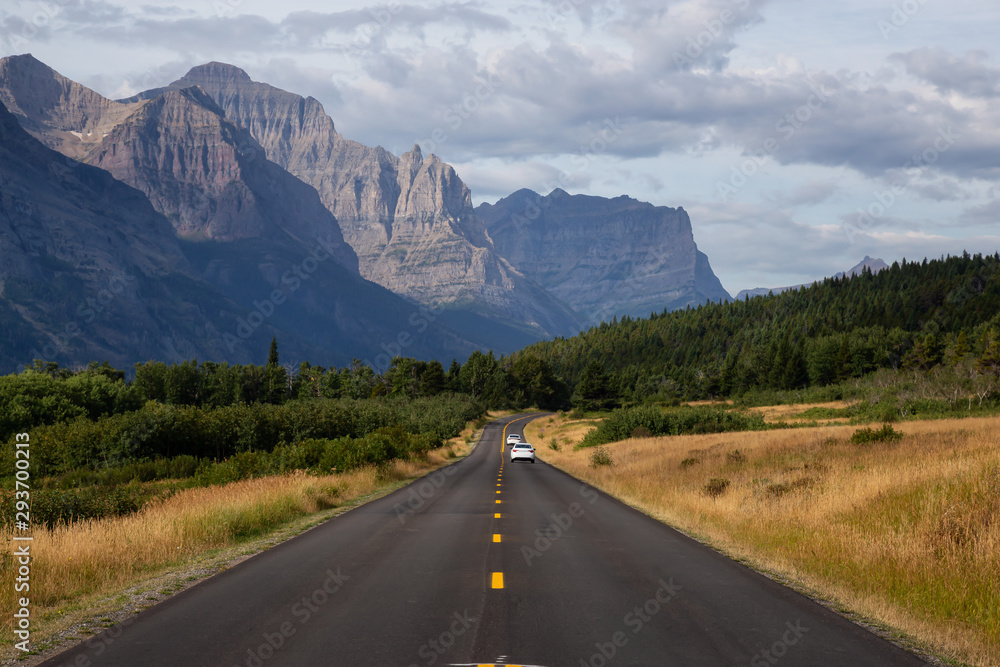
pixel 800 136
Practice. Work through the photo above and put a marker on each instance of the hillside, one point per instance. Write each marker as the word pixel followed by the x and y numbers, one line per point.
pixel 910 315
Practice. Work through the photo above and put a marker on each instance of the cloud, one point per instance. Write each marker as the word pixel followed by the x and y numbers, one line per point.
pixel 969 75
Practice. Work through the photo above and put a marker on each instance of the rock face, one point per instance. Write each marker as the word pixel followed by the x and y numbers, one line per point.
pixel 604 257
pixel 88 270
pixel 60 113
pixel 250 234
pixel 410 219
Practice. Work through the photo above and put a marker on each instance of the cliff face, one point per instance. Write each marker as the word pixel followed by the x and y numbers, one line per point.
pixel 409 219
pixel 88 270
pixel 60 113
pixel 250 234
pixel 604 257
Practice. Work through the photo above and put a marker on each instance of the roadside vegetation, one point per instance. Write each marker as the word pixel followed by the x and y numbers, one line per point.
pixel 899 523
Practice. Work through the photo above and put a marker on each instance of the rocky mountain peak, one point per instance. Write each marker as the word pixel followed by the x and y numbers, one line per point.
pixel 409 218
pixel 61 113
pixel 216 71
pixel 604 257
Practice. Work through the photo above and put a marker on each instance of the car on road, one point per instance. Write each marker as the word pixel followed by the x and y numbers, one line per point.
pixel 513 439
pixel 522 451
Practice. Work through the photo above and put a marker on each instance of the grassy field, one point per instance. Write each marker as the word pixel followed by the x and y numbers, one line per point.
pixel 81 571
pixel 905 532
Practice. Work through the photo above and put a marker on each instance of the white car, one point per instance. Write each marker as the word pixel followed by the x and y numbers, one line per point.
pixel 522 451
pixel 513 439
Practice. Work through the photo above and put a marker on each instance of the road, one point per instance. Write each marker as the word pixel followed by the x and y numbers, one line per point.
pixel 488 562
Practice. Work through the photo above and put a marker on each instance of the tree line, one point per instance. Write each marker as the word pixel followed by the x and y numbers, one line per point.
pixel 912 315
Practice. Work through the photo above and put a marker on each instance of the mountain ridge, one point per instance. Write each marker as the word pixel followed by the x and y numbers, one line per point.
pixel 410 218
pixel 605 257
pixel 873 265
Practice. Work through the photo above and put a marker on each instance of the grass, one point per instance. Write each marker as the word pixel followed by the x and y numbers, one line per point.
pixel 904 532
pixel 76 568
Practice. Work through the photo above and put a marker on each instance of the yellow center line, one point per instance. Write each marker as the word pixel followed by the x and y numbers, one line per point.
pixel 497 515
pixel 498 490
pixel 498 502
pixel 496 537
pixel 497 580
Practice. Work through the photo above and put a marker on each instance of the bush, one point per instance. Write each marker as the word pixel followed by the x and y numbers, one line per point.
pixel 690 461
pixel 53 507
pixel 716 486
pixel 601 457
pixel 158 431
pixel 867 436
pixel 621 423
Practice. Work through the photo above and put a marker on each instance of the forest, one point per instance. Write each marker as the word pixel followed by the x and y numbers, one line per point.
pixel 914 316
pixel 917 339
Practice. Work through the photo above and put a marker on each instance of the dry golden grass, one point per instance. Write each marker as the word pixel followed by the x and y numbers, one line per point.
pixel 906 534
pixel 793 412
pixel 84 563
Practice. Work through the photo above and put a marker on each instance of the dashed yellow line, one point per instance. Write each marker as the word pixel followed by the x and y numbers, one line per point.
pixel 497 580
pixel 497 515
pixel 496 537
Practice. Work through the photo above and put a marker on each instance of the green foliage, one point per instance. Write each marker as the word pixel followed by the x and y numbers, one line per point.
pixel 868 436
pixel 52 507
pixel 166 431
pixel 909 315
pixel 621 423
pixel 601 457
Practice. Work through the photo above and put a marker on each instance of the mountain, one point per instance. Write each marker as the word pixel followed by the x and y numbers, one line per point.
pixel 410 218
pixel 248 232
pixel 88 270
pixel 604 257
pixel 873 265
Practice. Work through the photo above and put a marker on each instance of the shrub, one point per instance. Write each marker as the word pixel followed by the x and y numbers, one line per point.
pixel 621 423
pixel 601 457
pixel 736 457
pixel 867 436
pixel 690 461
pixel 716 486
pixel 780 489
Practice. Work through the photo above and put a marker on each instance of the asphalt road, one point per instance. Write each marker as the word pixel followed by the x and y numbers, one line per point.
pixel 488 562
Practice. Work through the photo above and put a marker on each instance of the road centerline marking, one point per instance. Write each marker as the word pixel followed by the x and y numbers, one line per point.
pixel 497 580
pixel 496 537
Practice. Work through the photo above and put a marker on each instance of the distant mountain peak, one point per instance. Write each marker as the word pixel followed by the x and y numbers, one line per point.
pixel 216 71
pixel 874 265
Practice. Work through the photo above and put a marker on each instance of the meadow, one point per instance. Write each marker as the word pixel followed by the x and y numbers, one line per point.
pixel 898 526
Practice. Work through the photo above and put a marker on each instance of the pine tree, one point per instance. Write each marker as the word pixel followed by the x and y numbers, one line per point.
pixel 272 355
